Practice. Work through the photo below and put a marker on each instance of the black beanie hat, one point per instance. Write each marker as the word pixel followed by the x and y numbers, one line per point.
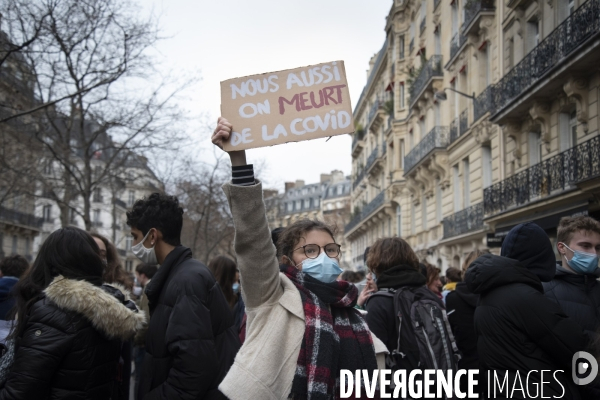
pixel 529 244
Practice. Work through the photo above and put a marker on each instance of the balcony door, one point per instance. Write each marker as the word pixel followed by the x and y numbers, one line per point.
pixel 535 148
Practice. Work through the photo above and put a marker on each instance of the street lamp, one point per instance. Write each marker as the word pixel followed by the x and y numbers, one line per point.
pixel 441 95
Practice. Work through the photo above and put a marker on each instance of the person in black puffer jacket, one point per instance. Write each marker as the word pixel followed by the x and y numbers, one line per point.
pixel 460 305
pixel 191 339
pixel 69 327
pixel 520 330
pixel 575 286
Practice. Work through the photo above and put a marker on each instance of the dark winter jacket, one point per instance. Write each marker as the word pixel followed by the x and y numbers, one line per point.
pixel 579 297
pixel 7 301
pixel 519 330
pixel 191 339
pixel 380 309
pixel 71 343
pixel 460 306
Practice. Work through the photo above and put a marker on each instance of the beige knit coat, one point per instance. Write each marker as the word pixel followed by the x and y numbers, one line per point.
pixel 265 365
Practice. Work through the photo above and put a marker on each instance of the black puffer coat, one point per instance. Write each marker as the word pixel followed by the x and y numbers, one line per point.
pixel 579 297
pixel 71 344
pixel 519 330
pixel 460 306
pixel 191 339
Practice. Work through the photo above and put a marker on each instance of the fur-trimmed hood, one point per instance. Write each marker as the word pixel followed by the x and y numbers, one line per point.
pixel 102 309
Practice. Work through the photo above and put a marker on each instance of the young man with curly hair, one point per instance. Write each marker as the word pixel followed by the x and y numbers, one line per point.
pixel 191 339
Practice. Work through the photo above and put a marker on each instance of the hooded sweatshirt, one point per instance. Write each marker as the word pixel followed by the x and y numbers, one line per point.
pixel 519 330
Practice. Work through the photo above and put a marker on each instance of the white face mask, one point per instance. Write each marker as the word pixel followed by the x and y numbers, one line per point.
pixel 137 290
pixel 146 255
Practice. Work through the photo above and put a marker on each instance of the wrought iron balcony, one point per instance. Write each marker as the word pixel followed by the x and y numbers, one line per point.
pixel 358 135
pixel 359 178
pixel 437 138
pixel 553 175
pixel 482 103
pixel 464 221
pixel 423 25
pixel 366 211
pixel 432 68
pixel 566 38
pixel 454 130
pixel 456 44
pixel 473 8
pixel 372 158
pixel 11 216
pixel 373 110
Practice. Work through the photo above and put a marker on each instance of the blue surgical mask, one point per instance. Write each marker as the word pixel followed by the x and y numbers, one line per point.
pixel 582 262
pixel 236 287
pixel 323 268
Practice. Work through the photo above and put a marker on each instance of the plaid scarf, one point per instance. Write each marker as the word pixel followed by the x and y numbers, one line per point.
pixel 336 337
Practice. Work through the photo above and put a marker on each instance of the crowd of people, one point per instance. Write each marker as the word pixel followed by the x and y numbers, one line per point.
pixel 283 319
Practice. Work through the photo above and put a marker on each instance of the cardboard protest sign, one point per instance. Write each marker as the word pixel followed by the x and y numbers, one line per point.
pixel 287 106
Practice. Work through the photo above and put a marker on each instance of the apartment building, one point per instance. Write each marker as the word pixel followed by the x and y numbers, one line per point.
pixel 459 140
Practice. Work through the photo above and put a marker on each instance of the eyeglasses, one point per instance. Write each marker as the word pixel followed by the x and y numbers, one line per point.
pixel 313 250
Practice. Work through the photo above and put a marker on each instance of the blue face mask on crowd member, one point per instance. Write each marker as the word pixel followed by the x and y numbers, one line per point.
pixel 582 262
pixel 323 268
pixel 236 287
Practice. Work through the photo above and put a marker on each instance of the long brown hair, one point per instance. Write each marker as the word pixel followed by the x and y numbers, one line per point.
pixel 114 271
pixel 386 253
pixel 224 269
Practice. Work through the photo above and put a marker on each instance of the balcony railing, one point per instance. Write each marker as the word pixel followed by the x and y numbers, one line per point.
pixel 555 174
pixel 474 7
pixel 373 110
pixel 366 211
pixel 359 178
pixel 482 103
pixel 454 130
pixel 437 138
pixel 567 37
pixel 20 218
pixel 468 220
pixel 372 158
pixel 432 68
pixel 358 135
pixel 423 25
pixel 456 44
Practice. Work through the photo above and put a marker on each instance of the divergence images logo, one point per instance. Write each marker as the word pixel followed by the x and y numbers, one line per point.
pixel 581 367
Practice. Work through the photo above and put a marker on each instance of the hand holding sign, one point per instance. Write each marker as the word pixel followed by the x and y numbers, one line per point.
pixel 286 106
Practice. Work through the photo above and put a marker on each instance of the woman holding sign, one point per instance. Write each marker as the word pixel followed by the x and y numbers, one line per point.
pixel 302 327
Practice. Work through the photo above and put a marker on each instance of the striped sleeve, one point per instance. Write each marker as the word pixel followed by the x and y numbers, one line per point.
pixel 243 175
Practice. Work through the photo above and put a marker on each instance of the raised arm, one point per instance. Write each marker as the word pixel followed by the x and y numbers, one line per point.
pixel 256 255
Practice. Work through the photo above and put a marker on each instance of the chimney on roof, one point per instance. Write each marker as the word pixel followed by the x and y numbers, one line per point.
pixel 289 185
pixel 325 178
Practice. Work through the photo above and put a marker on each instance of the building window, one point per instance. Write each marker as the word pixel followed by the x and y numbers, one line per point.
pixel 456 188
pixel 27 247
pixel 317 203
pixel 535 148
pixel 98 195
pixel 398 221
pixel 47 213
pixel 424 213
pixel 533 34
pixel 128 242
pixel 438 200
pixel 402 97
pixel 573 128
pixel 129 265
pixel 290 206
pixel 15 242
pixel 467 182
pixel 401 46
pixel 96 217
pixel 298 205
pixel 412 218
pixel 131 198
pixel 510 49
pixel 486 165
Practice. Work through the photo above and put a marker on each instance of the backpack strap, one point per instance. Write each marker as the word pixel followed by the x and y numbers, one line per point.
pixel 388 292
pixel 451 336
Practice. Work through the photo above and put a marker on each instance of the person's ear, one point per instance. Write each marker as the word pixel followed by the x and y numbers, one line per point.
pixel 560 246
pixel 286 260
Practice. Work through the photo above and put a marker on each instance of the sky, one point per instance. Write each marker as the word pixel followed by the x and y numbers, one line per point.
pixel 223 39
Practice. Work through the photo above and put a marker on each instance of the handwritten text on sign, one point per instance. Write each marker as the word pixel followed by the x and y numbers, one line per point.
pixel 287 106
